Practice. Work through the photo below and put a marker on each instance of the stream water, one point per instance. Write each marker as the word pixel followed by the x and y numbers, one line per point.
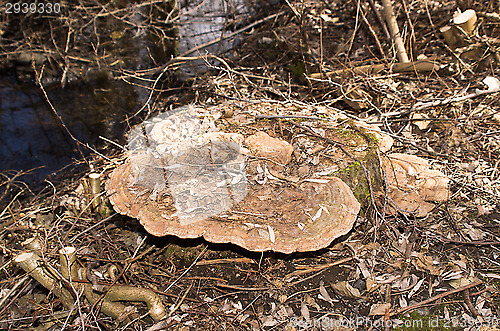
pixel 31 134
pixel 32 137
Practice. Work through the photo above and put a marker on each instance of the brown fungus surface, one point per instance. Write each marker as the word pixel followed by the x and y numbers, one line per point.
pixel 412 184
pixel 302 218
pixel 265 184
pixel 255 192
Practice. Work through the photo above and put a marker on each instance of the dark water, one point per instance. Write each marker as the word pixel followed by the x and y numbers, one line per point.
pixel 32 136
pixel 92 104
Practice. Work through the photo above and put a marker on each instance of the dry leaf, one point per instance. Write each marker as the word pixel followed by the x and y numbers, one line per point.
pixel 344 289
pixel 358 98
pixel 481 210
pixel 492 82
pixel 463 281
pixel 415 288
pixel 324 294
pixel 304 311
pixel 484 312
pixel 405 283
pixel 421 124
pixel 446 313
pixel 402 302
pixel 425 262
pixel 496 117
pixel 311 302
pixel 268 321
pixel 364 270
pixel 473 232
pixel 379 309
pixel 327 17
pixel 371 284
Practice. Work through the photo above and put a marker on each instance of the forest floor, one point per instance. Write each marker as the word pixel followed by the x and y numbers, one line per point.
pixel 436 272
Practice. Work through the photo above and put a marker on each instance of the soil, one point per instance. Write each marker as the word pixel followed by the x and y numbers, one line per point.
pixel 436 272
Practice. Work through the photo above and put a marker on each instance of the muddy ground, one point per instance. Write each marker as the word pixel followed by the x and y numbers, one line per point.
pixel 438 272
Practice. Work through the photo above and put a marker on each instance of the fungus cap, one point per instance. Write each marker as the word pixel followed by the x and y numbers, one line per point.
pixel 303 218
pixel 182 177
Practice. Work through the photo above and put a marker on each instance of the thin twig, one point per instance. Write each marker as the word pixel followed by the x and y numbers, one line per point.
pixel 425 302
pixel 477 93
pixel 377 41
pixel 187 270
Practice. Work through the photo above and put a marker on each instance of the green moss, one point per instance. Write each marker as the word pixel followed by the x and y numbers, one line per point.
pixel 369 137
pixel 354 176
pixel 298 69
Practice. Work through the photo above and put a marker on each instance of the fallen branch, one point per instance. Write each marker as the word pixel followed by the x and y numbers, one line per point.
pixel 76 278
pixel 242 288
pixel 110 305
pixel 317 268
pixel 415 66
pixel 434 298
pixel 466 243
pixel 131 293
pixel 469 304
pixel 33 265
pixel 477 93
pixel 220 261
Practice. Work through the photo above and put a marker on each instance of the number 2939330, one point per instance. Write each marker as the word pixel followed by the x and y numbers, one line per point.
pixel 32 8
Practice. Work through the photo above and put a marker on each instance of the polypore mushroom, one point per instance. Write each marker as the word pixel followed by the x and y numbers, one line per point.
pixel 262 145
pixel 194 183
pixel 303 218
pixel 411 183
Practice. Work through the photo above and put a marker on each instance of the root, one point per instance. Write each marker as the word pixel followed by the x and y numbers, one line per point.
pixel 75 278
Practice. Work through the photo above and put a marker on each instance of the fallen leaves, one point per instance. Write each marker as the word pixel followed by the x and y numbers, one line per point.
pixel 428 263
pixel 379 309
pixel 344 289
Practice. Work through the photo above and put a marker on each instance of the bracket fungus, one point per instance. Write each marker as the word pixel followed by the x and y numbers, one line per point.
pixel 182 177
pixel 255 188
pixel 412 184
pixel 265 146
